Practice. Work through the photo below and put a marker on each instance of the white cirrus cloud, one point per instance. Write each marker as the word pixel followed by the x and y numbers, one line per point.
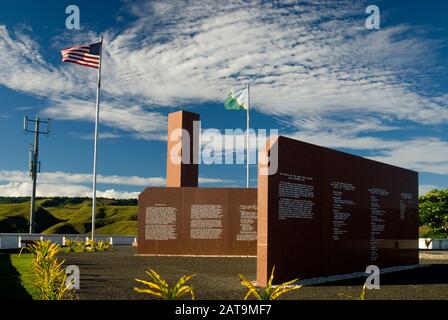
pixel 304 59
pixel 127 118
pixel 17 184
pixel 70 93
pixel 23 189
pixel 80 178
pixel 426 154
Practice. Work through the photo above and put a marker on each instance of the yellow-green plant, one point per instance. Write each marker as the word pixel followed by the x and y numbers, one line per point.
pixel 80 245
pixel 158 287
pixel 71 245
pixel 91 245
pixel 102 245
pixel 362 295
pixel 269 292
pixel 44 251
pixel 50 276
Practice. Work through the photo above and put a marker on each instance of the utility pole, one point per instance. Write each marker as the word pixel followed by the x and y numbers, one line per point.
pixel 34 163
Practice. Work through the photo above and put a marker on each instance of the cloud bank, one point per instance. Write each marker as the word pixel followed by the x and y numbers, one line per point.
pixel 63 184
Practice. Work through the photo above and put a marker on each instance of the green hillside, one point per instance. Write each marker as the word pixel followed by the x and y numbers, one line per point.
pixel 69 215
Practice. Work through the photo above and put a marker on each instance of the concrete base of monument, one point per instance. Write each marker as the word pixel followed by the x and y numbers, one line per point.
pixel 194 255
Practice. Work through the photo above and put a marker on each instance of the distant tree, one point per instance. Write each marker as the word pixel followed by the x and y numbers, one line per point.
pixel 124 202
pixel 8 200
pixel 62 201
pixel 101 212
pixel 433 211
pixel 54 202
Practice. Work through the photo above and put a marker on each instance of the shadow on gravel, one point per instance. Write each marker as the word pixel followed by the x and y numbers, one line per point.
pixel 432 274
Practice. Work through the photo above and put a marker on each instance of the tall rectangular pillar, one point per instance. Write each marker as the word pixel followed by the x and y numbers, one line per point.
pixel 183 145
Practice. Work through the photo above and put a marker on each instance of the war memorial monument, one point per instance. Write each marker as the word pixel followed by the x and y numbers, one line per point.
pixel 321 212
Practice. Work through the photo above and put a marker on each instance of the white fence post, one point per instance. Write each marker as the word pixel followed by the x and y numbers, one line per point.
pixel 14 240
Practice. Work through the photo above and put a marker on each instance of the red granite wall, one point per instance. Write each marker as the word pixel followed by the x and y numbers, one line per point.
pixel 326 212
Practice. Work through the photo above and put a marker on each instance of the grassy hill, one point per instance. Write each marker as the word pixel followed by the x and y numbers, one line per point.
pixel 69 215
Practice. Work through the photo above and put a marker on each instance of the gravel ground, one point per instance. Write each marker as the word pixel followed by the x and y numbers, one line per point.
pixel 110 275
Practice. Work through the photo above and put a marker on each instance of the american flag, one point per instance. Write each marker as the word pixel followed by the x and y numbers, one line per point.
pixel 85 55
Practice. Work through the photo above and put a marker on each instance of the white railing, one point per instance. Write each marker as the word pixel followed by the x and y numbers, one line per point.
pixel 16 240
pixel 433 244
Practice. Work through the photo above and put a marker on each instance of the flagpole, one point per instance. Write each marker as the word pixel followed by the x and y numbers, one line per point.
pixel 248 138
pixel 97 116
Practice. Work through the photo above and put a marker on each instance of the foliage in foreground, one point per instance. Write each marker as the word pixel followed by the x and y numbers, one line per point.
pixel 433 212
pixel 89 245
pixel 270 292
pixel 71 245
pixel 97 245
pixel 49 275
pixel 362 295
pixel 160 288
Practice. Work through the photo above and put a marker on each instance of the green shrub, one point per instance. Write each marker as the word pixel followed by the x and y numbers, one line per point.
pixel 433 212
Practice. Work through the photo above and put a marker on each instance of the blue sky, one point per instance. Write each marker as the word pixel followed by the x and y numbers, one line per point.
pixel 317 74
